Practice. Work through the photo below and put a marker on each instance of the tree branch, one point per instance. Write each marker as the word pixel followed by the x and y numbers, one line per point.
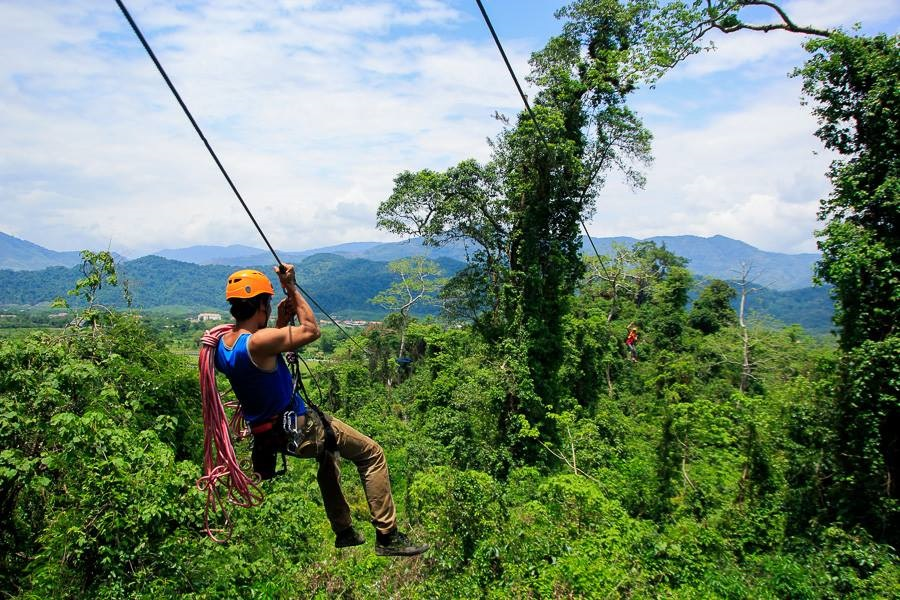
pixel 574 468
pixel 786 23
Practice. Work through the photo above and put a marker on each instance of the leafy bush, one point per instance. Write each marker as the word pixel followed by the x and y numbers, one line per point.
pixel 458 509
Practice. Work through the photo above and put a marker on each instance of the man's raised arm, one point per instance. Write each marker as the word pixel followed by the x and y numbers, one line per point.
pixel 285 337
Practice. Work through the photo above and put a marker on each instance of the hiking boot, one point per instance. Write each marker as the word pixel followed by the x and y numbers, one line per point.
pixel 397 544
pixel 348 537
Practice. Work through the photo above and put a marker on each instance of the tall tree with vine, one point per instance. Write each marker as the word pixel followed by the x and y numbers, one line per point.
pixel 520 213
pixel 854 84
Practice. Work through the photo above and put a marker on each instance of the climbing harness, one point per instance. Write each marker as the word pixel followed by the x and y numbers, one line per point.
pixel 293 360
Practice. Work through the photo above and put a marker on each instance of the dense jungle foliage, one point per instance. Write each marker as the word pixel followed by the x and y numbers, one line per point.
pixel 526 443
pixel 665 479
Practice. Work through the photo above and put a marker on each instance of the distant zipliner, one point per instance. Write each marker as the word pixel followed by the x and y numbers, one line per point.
pixel 631 341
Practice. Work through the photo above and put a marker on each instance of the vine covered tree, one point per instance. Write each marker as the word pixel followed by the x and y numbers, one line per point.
pixel 520 213
pixel 854 83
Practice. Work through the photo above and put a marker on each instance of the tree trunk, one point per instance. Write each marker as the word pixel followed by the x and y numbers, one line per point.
pixel 745 334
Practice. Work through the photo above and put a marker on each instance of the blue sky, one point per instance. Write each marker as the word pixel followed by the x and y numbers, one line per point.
pixel 314 106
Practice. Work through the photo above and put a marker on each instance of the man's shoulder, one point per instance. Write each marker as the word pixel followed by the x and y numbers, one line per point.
pixel 232 337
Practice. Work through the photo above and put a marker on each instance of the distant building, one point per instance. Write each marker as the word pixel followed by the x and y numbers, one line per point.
pixel 208 317
pixel 349 322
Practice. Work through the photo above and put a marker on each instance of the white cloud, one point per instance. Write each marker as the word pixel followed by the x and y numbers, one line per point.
pixel 755 173
pixel 315 106
pixel 312 110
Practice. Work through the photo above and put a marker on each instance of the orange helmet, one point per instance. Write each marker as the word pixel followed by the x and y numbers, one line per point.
pixel 247 284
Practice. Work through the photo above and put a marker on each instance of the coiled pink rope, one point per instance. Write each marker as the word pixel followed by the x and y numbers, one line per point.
pixel 224 482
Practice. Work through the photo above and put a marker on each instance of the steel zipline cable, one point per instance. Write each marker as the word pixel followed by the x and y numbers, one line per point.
pixel 541 135
pixel 162 71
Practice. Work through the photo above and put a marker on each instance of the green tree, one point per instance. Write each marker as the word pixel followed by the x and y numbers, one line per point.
pixel 520 213
pixel 661 294
pixel 420 281
pixel 854 84
pixel 712 310
pixel 99 269
pixel 609 278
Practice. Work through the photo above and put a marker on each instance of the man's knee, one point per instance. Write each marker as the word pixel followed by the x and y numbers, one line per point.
pixel 370 452
pixel 379 454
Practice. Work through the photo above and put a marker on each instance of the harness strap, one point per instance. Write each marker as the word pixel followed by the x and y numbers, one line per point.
pixel 265 426
pixel 330 437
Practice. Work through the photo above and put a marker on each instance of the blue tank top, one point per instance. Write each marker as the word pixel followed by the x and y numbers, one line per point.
pixel 262 394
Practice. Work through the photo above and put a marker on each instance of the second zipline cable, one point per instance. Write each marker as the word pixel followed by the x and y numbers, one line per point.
pixel 541 135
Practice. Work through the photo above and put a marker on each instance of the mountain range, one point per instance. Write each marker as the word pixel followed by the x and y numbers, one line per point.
pixel 717 256
pixel 22 255
pixel 343 280
pixel 343 286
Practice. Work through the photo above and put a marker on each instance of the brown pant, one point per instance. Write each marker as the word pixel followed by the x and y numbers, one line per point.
pixel 361 450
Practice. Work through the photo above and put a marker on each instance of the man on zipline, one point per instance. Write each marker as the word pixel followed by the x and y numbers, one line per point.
pixel 250 356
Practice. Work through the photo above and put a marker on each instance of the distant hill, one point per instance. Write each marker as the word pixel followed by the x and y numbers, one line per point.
pixel 811 308
pixel 18 255
pixel 384 252
pixel 203 255
pixel 414 246
pixel 721 257
pixel 716 256
pixel 240 255
pixel 341 285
